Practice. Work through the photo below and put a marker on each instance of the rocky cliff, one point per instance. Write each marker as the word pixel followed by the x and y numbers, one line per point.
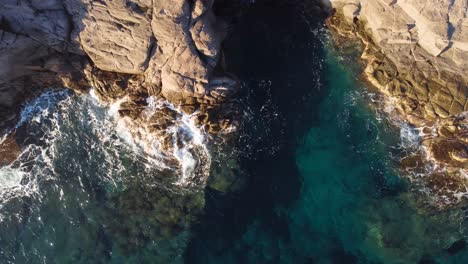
pixel 134 48
pixel 416 53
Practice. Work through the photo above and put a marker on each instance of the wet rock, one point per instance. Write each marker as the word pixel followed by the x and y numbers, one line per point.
pixel 9 149
pixel 413 56
pixel 121 48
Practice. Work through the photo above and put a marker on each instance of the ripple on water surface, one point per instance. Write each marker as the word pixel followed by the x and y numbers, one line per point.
pixel 352 204
pixel 83 189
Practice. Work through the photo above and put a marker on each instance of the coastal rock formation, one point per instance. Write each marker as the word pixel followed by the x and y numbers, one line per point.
pixel 134 48
pixel 416 53
pixel 427 43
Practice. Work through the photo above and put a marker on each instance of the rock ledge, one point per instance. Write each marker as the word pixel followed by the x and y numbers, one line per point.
pixel 416 54
pixel 136 48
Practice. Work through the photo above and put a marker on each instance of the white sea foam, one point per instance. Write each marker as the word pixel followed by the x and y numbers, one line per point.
pixel 410 136
pixel 188 144
pixel 10 178
pixel 39 108
pixel 34 163
pixel 63 123
pixel 412 139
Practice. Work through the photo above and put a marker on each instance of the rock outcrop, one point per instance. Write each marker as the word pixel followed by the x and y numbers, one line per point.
pixel 134 48
pixel 416 53
pixel 427 41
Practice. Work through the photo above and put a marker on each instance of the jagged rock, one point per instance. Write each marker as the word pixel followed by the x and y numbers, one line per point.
pixel 433 40
pixel 413 51
pixel 438 29
pixel 417 54
pixel 123 47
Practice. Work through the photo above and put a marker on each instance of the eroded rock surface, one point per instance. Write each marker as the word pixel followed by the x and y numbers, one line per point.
pixel 416 53
pixel 139 48
pixel 427 41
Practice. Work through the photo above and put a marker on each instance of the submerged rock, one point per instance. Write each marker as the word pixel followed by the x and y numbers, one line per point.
pixel 417 57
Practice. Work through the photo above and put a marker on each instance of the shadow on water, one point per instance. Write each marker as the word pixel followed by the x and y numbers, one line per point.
pixel 278 56
pixel 322 174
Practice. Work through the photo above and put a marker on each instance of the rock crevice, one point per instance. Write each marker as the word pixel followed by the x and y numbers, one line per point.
pixel 164 48
pixel 416 54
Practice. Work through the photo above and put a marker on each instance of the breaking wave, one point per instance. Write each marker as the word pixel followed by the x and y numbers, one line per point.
pixel 65 137
pixel 444 185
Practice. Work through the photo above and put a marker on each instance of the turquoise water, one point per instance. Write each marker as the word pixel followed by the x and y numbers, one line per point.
pixel 332 190
pixel 79 193
pixel 352 192
pixel 312 178
pixel 353 205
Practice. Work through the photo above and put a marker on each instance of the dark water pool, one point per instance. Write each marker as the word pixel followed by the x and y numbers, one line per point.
pixel 326 188
pixel 313 177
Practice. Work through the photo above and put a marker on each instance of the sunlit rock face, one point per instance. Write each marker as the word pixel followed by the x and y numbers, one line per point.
pixel 137 147
pixel 429 46
pixel 140 48
pixel 437 27
pixel 416 54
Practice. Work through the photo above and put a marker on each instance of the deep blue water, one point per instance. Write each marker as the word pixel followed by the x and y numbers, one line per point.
pixel 313 176
pixel 326 187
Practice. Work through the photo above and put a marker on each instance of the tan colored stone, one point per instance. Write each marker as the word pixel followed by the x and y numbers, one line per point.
pixel 350 12
pixel 122 47
pixel 419 40
pixel 440 111
pixel 443 99
pixel 116 37
pixel 456 108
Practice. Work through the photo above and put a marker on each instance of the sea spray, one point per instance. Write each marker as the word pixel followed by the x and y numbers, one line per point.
pixel 85 176
pixel 188 142
pixel 21 177
pixel 50 121
pixel 444 184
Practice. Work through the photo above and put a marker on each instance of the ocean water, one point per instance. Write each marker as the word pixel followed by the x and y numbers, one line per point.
pixel 313 175
pixel 327 186
pixel 83 190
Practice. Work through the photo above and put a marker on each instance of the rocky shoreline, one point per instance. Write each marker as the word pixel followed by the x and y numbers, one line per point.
pixel 134 49
pixel 427 91
pixel 132 54
pixel 415 56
